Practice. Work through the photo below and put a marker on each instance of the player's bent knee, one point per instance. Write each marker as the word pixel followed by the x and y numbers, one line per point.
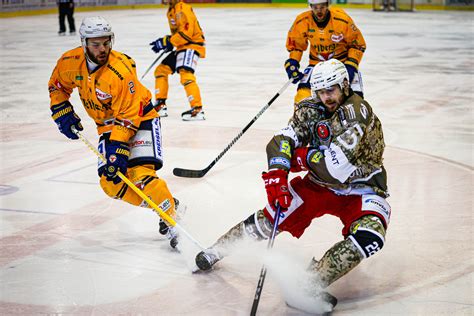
pixel 186 77
pixel 368 235
pixel 163 70
pixel 258 226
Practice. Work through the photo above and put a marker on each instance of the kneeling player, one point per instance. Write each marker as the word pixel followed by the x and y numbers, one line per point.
pixel 339 141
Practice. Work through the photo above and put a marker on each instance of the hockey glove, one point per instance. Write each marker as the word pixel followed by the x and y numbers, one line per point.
pixel 65 117
pixel 117 159
pixel 276 184
pixel 299 160
pixel 292 68
pixel 163 43
pixel 351 71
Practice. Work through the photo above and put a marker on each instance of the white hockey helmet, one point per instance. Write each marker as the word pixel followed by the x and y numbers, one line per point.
pixel 94 26
pixel 310 2
pixel 327 74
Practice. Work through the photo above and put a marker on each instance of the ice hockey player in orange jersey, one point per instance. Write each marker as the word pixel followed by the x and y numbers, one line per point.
pixel 330 33
pixel 186 46
pixel 128 127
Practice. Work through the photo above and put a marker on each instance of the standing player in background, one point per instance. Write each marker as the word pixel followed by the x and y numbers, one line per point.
pixel 128 127
pixel 330 33
pixel 339 142
pixel 188 40
pixel 66 9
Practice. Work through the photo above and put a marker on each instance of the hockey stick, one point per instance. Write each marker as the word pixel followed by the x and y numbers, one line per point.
pixel 153 64
pixel 155 207
pixel 263 272
pixel 188 173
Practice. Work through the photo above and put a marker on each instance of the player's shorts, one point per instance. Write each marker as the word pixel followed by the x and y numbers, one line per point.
pixel 184 59
pixel 312 201
pixel 145 146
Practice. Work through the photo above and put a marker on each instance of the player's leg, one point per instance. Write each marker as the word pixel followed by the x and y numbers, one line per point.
pixel 164 69
pixel 145 158
pixel 186 62
pixel 259 226
pixel 364 231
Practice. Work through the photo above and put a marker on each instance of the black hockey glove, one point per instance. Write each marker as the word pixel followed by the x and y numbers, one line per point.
pixel 292 68
pixel 117 154
pixel 163 43
pixel 65 117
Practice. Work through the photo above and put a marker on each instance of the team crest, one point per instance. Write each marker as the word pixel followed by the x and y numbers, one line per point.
pixel 323 131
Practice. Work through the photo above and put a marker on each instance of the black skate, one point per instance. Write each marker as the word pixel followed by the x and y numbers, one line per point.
pixel 172 235
pixel 207 258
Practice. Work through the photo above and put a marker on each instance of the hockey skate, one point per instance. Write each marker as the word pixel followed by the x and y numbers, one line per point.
pixel 171 232
pixel 194 114
pixel 207 258
pixel 161 108
pixel 172 236
pixel 320 299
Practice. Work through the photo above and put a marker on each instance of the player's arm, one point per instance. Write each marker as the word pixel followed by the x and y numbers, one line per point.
pixel 62 111
pixel 296 41
pixel 356 45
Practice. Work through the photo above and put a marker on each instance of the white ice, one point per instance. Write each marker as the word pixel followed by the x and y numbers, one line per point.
pixel 66 248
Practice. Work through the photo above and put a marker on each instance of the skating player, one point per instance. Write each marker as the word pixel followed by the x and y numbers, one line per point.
pixel 339 143
pixel 185 46
pixel 128 127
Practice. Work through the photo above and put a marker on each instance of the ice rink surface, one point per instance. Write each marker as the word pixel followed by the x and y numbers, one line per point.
pixel 66 248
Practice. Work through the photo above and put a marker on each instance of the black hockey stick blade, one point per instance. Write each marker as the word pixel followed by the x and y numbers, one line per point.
pixel 187 173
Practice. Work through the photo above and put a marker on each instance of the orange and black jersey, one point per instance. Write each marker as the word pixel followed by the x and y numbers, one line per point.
pixel 112 95
pixel 185 30
pixel 339 38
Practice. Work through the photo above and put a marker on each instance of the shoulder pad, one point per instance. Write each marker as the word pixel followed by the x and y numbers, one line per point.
pixel 308 102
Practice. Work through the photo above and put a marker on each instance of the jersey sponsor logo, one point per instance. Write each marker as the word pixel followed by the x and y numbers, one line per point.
pixel 323 130
pixel 115 71
pixel 337 37
pixel 333 154
pixel 89 104
pixel 316 157
pixel 378 206
pixel 101 95
pixel 280 161
pixel 141 143
pixel 165 205
pixel 325 48
pixel 285 148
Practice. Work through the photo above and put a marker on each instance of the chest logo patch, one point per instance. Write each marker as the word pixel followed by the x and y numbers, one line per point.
pixel 336 38
pixel 101 95
pixel 323 131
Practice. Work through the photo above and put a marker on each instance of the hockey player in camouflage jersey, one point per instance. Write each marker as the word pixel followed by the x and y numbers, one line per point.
pixel 339 142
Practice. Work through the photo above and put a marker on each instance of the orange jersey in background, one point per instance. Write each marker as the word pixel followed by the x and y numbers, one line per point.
pixel 112 95
pixel 185 30
pixel 340 39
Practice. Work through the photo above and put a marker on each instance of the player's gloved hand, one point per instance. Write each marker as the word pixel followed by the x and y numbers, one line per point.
pixel 292 68
pixel 116 154
pixel 276 184
pixel 351 71
pixel 299 160
pixel 65 117
pixel 163 43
